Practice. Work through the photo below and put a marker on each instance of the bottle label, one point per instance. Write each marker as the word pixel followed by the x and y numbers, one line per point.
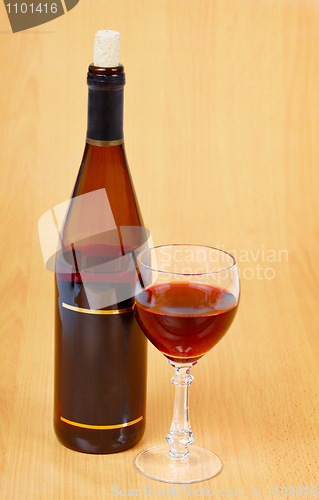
pixel 103 366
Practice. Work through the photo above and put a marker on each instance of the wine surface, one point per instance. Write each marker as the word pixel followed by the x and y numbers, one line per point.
pixel 185 320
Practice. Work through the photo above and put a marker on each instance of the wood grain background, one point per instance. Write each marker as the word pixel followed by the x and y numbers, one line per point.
pixel 222 127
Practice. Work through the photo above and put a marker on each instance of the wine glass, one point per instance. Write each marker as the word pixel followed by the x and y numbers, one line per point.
pixel 186 299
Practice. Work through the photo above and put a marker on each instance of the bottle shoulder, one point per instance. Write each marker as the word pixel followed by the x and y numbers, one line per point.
pixel 101 167
pixel 103 206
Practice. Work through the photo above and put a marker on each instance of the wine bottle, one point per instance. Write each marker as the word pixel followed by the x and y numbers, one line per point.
pixel 100 351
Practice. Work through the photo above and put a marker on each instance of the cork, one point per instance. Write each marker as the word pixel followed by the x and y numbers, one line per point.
pixel 107 49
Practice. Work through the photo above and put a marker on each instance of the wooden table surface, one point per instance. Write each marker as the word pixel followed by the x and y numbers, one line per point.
pixel 222 137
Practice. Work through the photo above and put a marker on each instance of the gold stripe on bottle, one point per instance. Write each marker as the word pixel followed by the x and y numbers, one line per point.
pixel 117 426
pixel 97 311
pixel 104 144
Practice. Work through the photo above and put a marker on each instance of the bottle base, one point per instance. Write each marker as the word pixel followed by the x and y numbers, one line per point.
pixel 100 442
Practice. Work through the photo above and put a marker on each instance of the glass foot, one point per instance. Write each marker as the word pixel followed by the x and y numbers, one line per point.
pixel 157 464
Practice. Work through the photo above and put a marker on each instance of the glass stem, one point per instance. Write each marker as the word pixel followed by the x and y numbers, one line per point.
pixel 181 435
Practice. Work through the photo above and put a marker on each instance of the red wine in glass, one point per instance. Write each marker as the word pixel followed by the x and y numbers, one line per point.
pixel 185 320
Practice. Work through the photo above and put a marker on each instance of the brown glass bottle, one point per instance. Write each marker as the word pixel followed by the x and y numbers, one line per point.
pixel 100 351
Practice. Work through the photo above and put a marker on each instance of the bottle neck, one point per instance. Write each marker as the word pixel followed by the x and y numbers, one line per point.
pixel 105 106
